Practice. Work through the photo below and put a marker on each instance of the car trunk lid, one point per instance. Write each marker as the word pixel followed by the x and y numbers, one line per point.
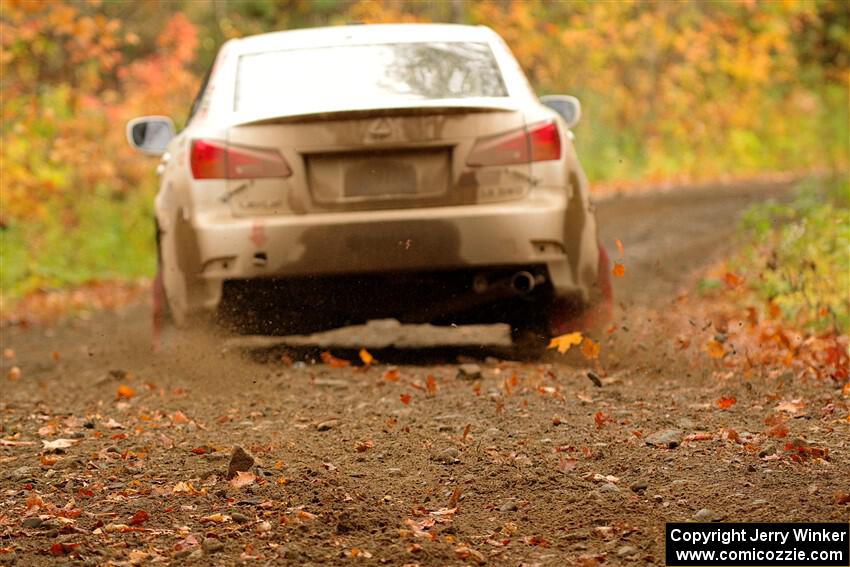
pixel 378 159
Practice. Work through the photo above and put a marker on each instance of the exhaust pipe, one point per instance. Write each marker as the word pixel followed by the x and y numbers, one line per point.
pixel 520 283
pixel 523 282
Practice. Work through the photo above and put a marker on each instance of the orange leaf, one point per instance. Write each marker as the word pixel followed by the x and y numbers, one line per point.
pixel 566 465
pixel 601 419
pixel 49 460
pixel 405 398
pixel 733 280
pixel 590 349
pixel 431 384
pixel 364 446
pixel 779 431
pixel 333 361
pixel 726 402
pixel 564 342
pixel 620 247
pixel 715 349
pixel 139 518
pixel 242 478
pixel 619 270
pixel 366 357
pixel 179 418
pixel 124 392
pixel 62 548
pixel 391 375
pixel 773 310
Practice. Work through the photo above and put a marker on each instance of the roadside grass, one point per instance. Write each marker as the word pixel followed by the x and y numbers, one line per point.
pixel 796 260
pixel 109 237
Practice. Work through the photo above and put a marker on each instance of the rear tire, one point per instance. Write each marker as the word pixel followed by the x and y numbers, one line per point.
pixel 568 316
pixel 160 312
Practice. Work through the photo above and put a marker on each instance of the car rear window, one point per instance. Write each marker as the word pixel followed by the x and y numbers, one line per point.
pixel 365 75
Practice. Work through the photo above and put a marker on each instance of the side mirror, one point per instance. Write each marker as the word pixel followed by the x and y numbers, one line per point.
pixel 567 106
pixel 150 134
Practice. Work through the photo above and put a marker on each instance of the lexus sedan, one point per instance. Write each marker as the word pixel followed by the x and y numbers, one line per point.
pixel 334 175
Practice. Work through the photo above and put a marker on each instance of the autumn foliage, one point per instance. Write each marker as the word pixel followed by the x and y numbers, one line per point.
pixel 671 90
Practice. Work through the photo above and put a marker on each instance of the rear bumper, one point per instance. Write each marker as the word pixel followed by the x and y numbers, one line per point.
pixel 530 231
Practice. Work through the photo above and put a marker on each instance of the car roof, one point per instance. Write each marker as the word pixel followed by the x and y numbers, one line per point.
pixel 361 34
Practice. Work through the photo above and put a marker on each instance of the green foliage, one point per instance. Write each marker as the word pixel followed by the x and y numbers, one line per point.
pixel 111 240
pixel 674 90
pixel 798 257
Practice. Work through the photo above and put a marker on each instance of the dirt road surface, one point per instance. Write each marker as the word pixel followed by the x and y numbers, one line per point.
pixel 113 455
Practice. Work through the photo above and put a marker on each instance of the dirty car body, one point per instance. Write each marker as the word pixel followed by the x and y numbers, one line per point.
pixel 333 175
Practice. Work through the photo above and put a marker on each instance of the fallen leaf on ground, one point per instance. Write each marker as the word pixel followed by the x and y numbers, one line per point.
pixel 596 477
pixel 566 465
pixel 139 518
pixel 467 553
pixel 242 478
pixel 391 375
pixel 779 431
pixel 184 487
pixel 564 342
pixel 431 385
pixel 793 407
pixel 726 402
pixel 57 444
pixel 333 361
pixel 12 443
pixel 179 418
pixel 405 398
pixel 62 548
pixel 124 392
pixel 601 419
pixel 215 519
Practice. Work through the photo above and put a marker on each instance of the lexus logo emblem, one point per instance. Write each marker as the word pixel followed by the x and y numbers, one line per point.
pixel 379 129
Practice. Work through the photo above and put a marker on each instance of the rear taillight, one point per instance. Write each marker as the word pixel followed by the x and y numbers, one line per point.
pixel 540 142
pixel 214 159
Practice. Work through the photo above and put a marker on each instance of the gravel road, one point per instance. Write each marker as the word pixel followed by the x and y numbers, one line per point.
pixel 113 455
